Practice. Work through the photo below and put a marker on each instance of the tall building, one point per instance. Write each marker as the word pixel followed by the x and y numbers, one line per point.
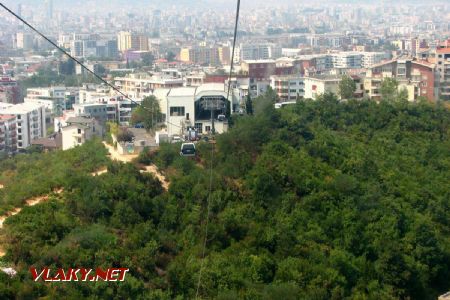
pixel 128 41
pixel 201 55
pixel 24 40
pixel 49 9
pixel 288 88
pixel 347 60
pixel 417 77
pixel 256 51
pixel 8 133
pixel 9 90
pixel 443 69
pixel 31 123
pixel 137 85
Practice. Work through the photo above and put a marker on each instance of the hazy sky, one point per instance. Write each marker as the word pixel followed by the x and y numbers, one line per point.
pixel 142 5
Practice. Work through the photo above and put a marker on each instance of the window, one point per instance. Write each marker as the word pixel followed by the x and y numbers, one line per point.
pixel 79 131
pixel 208 128
pixel 19 144
pixel 177 111
pixel 19 130
pixel 19 137
pixel 79 140
pixel 19 124
pixel 19 117
pixel 199 127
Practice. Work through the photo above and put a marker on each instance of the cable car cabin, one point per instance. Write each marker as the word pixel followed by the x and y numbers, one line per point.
pixel 187 149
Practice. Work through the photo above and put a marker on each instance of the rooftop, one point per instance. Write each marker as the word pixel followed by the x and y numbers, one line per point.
pixel 7 117
pixel 79 120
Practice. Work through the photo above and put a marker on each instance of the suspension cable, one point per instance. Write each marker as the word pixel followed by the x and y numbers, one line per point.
pixel 76 60
pixel 208 208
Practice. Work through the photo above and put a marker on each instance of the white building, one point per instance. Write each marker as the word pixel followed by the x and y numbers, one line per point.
pixel 135 85
pixel 372 58
pixel 347 60
pixel 315 87
pixel 288 88
pixel 52 98
pixel 191 107
pixel 257 51
pixel 78 131
pixel 8 133
pixel 24 40
pixel 30 121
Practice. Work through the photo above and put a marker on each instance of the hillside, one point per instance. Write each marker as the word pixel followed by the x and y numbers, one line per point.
pixel 319 200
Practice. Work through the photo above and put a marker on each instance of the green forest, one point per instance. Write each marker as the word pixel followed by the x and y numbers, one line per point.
pixel 323 199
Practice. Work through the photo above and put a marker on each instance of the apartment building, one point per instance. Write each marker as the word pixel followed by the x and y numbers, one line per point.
pixel 30 119
pixel 201 55
pixel 259 69
pixel 241 87
pixel 347 60
pixel 372 58
pixel 137 85
pixel 319 85
pixel 8 133
pixel 417 77
pixel 24 40
pixel 9 90
pixel 288 88
pixel 443 69
pixel 258 51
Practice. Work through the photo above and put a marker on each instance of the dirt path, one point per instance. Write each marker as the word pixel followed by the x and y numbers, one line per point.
pixel 30 202
pixel 115 156
pixel 128 158
pixel 154 170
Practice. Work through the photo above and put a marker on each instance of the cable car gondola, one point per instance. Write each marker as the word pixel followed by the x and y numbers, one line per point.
pixel 187 149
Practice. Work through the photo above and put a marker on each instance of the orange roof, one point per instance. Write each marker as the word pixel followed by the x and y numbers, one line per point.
pixel 443 50
pixel 7 117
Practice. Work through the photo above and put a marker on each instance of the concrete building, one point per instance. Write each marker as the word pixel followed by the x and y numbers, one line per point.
pixel 53 98
pixel 417 77
pixel 8 133
pixel 259 69
pixel 443 69
pixel 24 40
pixel 9 90
pixel 79 130
pixel 372 58
pixel 30 119
pixel 131 41
pixel 136 85
pixel 201 55
pixel 347 60
pixel 258 51
pixel 127 41
pixel 316 86
pixel 190 107
pixel 288 88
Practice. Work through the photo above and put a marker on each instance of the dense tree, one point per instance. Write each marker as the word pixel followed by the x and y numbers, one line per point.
pixel 347 87
pixel 249 105
pixel 389 89
pixel 318 200
pixel 148 113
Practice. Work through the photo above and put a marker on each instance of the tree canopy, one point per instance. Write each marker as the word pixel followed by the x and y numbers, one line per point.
pixel 318 200
pixel 148 113
pixel 347 87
